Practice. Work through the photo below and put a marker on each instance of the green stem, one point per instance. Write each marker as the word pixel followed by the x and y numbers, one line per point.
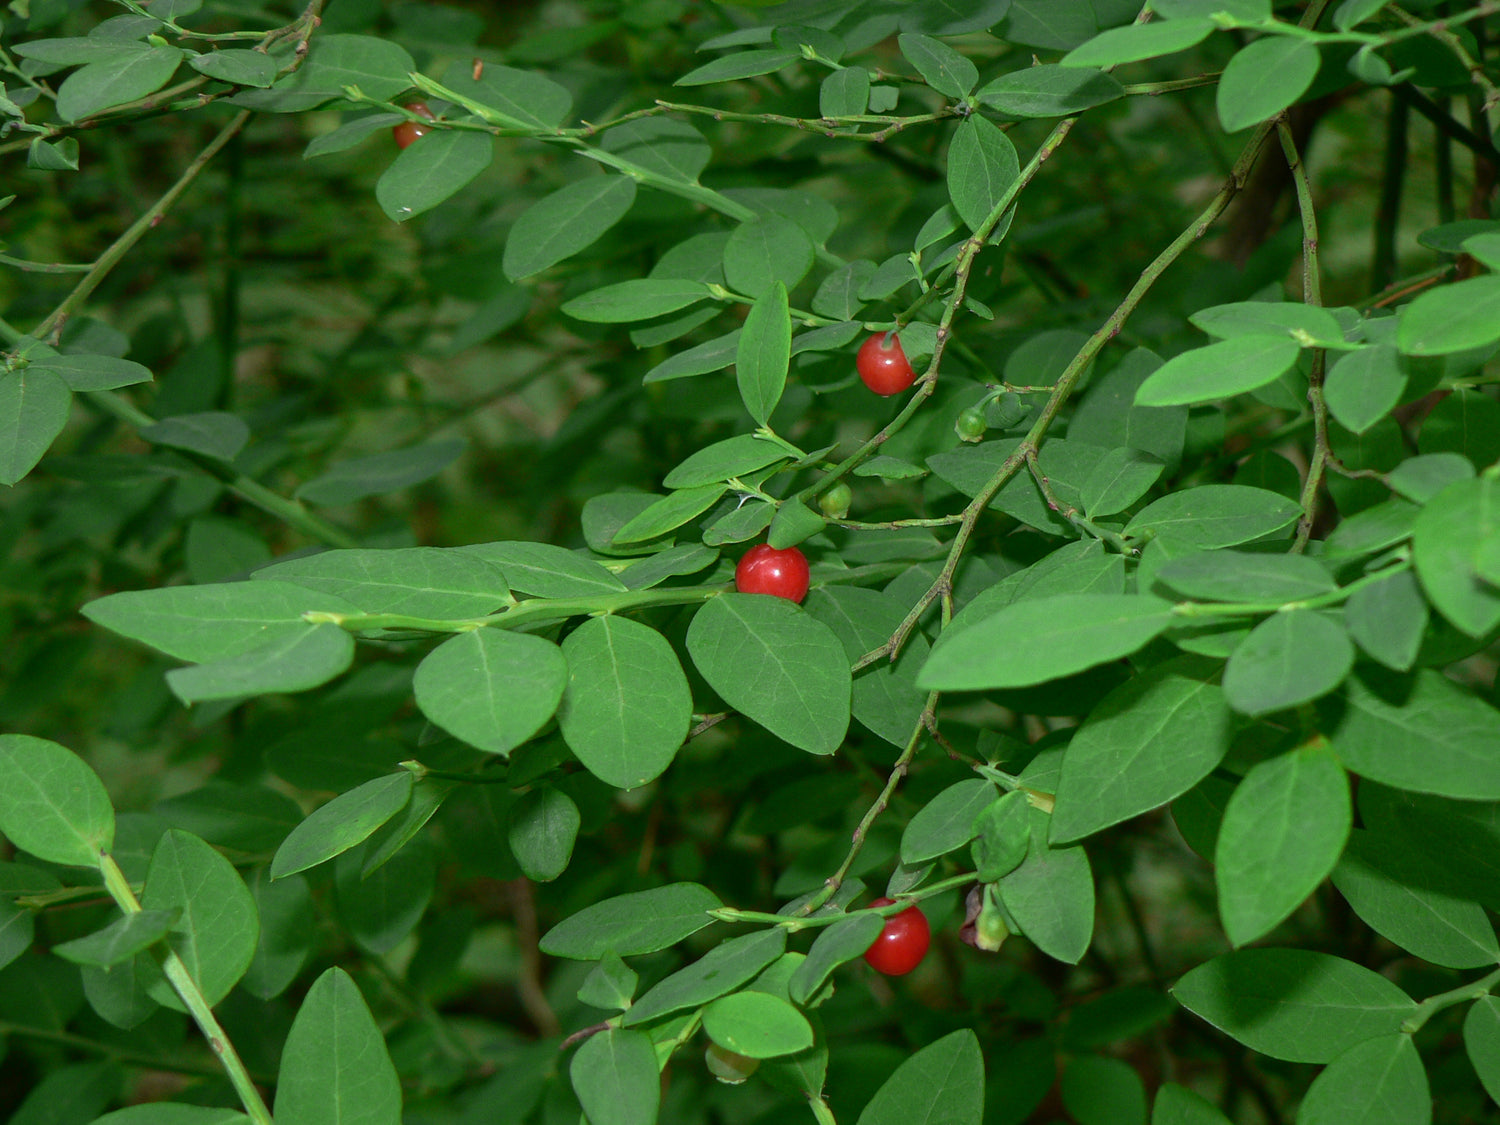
pixel 820 1111
pixel 1070 376
pixel 1253 609
pixel 186 987
pixel 532 611
pixel 1435 1004
pixel 795 923
pixel 289 512
pixel 111 257
pixel 1312 294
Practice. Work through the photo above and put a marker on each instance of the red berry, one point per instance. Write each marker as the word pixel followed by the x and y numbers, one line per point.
pixel 765 570
pixel 408 131
pixel 902 944
pixel 883 365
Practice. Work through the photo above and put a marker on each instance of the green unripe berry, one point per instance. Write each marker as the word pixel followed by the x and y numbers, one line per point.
pixel 835 502
pixel 970 425
pixel 727 1066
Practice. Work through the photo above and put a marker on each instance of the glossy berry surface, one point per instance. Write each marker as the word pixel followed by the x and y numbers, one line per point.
pixel 883 366
pixel 765 570
pixel 902 944
pixel 408 131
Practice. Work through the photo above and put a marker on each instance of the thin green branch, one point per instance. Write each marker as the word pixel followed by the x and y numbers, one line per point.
pixel 1463 993
pixel 137 230
pixel 186 987
pixel 1312 294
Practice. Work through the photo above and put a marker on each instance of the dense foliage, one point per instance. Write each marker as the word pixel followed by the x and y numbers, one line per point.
pixel 392 389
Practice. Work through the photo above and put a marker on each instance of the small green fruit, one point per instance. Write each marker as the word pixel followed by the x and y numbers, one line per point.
pixel 835 502
pixel 727 1066
pixel 970 425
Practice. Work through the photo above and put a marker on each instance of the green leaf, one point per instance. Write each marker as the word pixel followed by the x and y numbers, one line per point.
pixel 1067 465
pixel 239 816
pixel 116 80
pixel 215 622
pixel 17 931
pixel 238 67
pixel 172 1113
pixel 627 706
pixel 1150 740
pixel 1040 639
pixel 1098 1090
pixel 1217 371
pixel 844 941
pixel 1482 1042
pixel 1446 540
pixel 1215 515
pixel 777 665
pixel 1452 318
pixel 1282 834
pixel 741 64
pixel 940 66
pixel 288 924
pixel 1246 576
pixel 119 941
pixel 713 355
pixel 1291 657
pixel 617 1079
pixel 519 98
pixel 1240 11
pixel 1177 1105
pixel 763 353
pixel 1381 1079
pixel 1120 478
pixel 757 1025
pixel 1307 324
pixel 640 922
pixel 380 905
pixel 1385 886
pixel 638 299
pixel 1139 41
pixel 610 985
pixel 567 221
pixel 982 167
pixel 1049 90
pixel 212 433
pixel 886 698
pixel 667 148
pixel 342 823
pixel 33 410
pixel 288 662
pixel 70 1093
pixel 491 688
pixel 766 250
pixel 59 157
pixel 335 1069
pixel 943 1082
pixel 380 473
pixel 1423 733
pixel 547 570
pixel 1293 1004
pixel 414 581
pixel 542 829
pixel 1002 836
pixel 1421 478
pixel 93 372
pixel 845 93
pixel 53 805
pixel 725 459
pixel 946 822
pixel 431 169
pixel 1364 386
pixel 1387 619
pixel 216 928
pixel 723 969
pixel 380 69
pixel 1263 79
pixel 668 513
pixel 1051 896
